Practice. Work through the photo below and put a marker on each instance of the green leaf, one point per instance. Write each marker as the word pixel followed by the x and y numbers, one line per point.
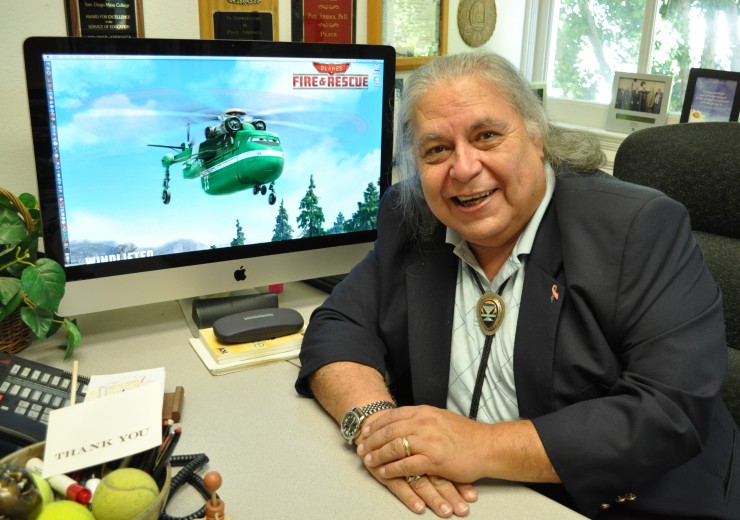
pixel 28 200
pixel 12 227
pixel 13 300
pixel 38 320
pixel 5 203
pixel 56 324
pixel 10 288
pixel 44 284
pixel 74 338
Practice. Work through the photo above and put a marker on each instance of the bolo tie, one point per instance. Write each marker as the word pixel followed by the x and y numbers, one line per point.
pixel 490 311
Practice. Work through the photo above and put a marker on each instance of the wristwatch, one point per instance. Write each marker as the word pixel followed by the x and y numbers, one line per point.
pixel 352 420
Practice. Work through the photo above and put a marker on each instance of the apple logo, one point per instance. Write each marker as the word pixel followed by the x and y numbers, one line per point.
pixel 240 274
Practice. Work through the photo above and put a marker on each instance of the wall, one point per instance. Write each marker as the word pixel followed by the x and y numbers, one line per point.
pixel 162 19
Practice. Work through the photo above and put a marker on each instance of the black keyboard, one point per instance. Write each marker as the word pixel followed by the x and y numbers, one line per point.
pixel 28 392
pixel 325 283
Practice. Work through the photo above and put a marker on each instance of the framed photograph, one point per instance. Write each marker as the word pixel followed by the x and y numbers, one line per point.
pixel 417 29
pixel 711 95
pixel 229 20
pixel 323 21
pixel 638 101
pixel 105 19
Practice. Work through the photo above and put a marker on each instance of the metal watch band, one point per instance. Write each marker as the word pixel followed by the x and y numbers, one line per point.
pixel 377 406
pixel 352 420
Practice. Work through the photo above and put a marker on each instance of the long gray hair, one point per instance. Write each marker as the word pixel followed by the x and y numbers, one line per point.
pixel 578 150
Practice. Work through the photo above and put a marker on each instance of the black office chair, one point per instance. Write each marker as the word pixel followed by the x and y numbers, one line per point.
pixel 699 166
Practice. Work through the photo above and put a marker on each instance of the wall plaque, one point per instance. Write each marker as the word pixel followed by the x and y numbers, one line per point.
pixel 238 19
pixel 323 21
pixel 417 29
pixel 103 19
pixel 476 20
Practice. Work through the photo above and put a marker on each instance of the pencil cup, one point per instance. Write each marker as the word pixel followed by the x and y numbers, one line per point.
pixel 20 457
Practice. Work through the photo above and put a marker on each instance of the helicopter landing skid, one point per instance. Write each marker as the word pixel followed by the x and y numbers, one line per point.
pixel 262 189
pixel 166 187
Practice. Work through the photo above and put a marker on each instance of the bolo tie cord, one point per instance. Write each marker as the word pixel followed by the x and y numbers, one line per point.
pixel 481 376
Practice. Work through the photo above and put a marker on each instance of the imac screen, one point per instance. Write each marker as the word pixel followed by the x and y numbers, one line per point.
pixel 164 154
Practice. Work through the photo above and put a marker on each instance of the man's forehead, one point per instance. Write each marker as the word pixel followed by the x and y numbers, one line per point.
pixel 426 129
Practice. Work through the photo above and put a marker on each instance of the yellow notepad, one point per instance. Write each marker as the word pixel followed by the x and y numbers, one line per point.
pixel 228 367
pixel 226 352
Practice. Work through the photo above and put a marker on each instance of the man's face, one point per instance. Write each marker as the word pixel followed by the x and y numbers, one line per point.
pixel 481 173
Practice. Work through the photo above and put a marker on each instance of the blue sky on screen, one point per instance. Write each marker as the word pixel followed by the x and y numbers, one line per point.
pixel 109 110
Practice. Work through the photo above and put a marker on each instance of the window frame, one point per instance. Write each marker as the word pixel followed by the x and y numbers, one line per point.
pixel 538 31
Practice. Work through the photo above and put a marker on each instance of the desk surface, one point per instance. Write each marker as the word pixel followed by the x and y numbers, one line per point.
pixel 280 455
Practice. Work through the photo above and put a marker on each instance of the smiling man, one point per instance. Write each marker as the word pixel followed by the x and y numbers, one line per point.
pixel 523 316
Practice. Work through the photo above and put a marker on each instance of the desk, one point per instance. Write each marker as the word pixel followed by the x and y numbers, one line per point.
pixel 280 455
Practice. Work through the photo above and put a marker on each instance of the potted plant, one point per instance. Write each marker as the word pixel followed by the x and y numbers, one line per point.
pixel 31 286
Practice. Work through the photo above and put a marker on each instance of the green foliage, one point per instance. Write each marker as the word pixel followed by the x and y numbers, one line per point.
pixel 282 230
pixel 36 285
pixel 240 239
pixel 311 218
pixel 339 224
pixel 673 56
pixel 598 37
pixel 595 38
pixel 366 216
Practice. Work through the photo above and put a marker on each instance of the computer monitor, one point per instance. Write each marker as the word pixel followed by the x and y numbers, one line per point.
pixel 170 169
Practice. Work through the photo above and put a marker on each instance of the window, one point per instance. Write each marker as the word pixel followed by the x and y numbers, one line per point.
pixel 591 39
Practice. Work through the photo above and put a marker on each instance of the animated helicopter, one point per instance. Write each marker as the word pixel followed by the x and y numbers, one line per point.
pixel 236 155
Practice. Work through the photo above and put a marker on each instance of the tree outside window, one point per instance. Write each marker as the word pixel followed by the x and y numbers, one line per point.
pixel 595 38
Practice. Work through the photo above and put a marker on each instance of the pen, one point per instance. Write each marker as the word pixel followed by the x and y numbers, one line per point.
pixel 164 457
pixel 166 425
pixel 149 458
pixel 92 484
pixel 62 483
pixel 168 446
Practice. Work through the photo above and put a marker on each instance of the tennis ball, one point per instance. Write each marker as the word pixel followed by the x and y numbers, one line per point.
pixel 123 493
pixel 44 488
pixel 65 510
pixel 47 495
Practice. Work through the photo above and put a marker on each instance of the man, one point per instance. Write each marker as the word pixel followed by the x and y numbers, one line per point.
pixel 657 102
pixel 534 319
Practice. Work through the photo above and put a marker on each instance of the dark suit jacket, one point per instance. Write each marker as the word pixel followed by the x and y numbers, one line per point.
pixel 620 374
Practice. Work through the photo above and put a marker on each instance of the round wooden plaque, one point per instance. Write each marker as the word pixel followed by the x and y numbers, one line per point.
pixel 476 20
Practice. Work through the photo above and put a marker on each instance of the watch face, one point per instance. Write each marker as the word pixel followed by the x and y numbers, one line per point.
pixel 350 424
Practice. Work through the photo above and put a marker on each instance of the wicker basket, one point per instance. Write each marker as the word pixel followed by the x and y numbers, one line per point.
pixel 20 457
pixel 14 334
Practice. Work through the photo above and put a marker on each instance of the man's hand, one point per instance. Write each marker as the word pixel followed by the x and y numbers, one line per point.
pixel 443 497
pixel 440 495
pixel 341 385
pixel 441 442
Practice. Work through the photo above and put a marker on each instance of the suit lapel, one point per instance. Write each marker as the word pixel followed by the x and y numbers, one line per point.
pixel 431 278
pixel 542 298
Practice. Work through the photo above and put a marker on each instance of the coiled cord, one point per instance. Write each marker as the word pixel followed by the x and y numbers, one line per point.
pixel 191 464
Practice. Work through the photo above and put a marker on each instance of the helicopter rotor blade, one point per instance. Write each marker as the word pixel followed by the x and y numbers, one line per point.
pixel 171 147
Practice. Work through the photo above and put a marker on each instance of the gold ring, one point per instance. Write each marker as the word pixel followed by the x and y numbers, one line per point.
pixel 412 478
pixel 406 447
